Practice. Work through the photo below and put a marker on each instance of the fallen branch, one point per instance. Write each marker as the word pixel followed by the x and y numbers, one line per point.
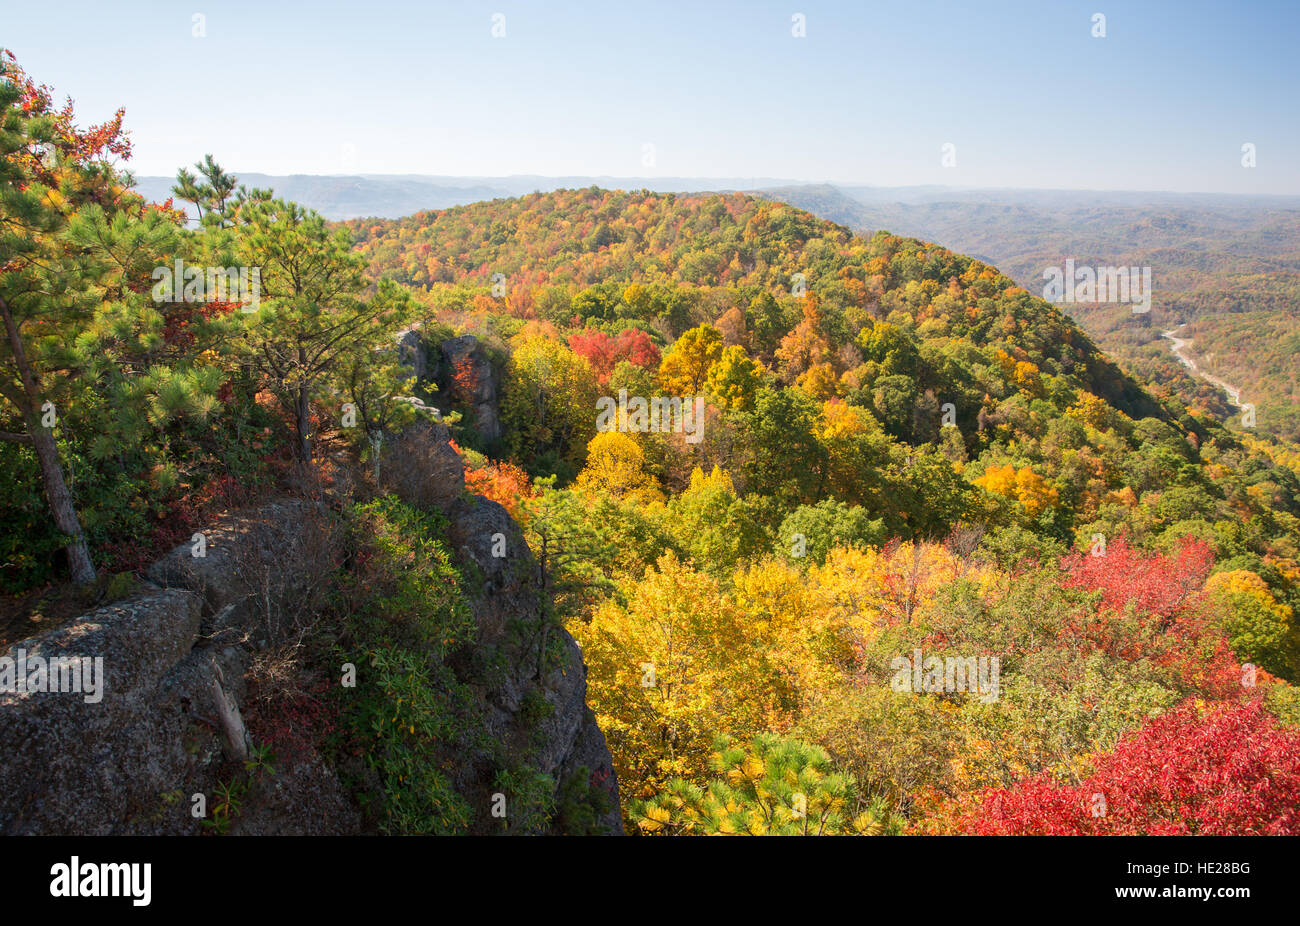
pixel 228 713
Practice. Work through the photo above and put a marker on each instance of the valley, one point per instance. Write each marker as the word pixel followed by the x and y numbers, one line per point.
pixel 556 462
pixel 1176 345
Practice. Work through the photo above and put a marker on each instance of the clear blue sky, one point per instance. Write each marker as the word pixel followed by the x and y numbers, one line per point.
pixel 1022 89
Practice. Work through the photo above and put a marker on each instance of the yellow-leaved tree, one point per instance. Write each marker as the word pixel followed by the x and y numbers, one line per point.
pixel 657 668
pixel 1024 485
pixel 734 378
pixel 684 370
pixel 616 464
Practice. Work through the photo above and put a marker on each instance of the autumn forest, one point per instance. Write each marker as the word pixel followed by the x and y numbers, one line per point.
pixel 601 510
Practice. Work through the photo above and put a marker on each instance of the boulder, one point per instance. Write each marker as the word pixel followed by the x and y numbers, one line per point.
pixel 254 568
pixel 420 467
pixel 120 764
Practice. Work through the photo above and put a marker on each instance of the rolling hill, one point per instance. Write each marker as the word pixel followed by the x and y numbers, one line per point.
pixel 1227 265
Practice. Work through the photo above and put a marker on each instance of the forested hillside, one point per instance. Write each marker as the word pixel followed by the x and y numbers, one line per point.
pixel 1228 265
pixel 856 535
pixel 903 455
pixel 222 485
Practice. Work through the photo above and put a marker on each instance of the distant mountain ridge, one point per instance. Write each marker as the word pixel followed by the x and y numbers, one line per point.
pixel 393 196
pixel 1211 254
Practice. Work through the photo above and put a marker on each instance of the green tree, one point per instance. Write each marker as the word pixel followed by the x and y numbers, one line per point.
pixel 894 348
pixel 549 406
pixel 574 551
pixel 894 402
pixel 74 242
pixel 314 310
pixel 783 457
pixel 766 320
pixel 826 525
pixel 214 195
pixel 769 787
pixel 716 528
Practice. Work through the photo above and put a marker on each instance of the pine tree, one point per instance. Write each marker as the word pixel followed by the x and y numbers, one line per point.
pixel 314 311
pixel 50 173
pixel 769 787
pixel 216 195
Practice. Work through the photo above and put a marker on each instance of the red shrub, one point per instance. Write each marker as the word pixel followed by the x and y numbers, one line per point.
pixel 1231 769
pixel 1152 608
pixel 465 379
pixel 1157 585
pixel 503 483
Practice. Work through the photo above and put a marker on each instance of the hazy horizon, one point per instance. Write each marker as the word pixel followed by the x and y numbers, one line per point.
pixel 766 182
pixel 1016 96
pixel 732 183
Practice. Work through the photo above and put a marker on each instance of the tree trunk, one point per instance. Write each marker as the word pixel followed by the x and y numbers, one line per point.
pixel 303 413
pixel 47 453
pixel 303 423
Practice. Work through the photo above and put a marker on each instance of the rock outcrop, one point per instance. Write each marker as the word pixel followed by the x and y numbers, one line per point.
pixel 175 656
pixel 541 658
pixel 174 659
pixel 413 353
pixel 471 379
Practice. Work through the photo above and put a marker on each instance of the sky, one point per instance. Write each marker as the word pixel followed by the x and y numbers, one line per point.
pixel 1024 92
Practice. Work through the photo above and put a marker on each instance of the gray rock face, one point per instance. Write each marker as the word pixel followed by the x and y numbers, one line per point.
pixel 178 652
pixel 119 765
pixel 462 370
pixel 472 379
pixel 542 660
pixel 412 352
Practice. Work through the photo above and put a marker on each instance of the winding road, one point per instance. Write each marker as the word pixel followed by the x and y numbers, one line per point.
pixel 1234 394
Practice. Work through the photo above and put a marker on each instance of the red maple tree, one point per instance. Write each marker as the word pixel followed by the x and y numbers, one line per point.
pixel 604 352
